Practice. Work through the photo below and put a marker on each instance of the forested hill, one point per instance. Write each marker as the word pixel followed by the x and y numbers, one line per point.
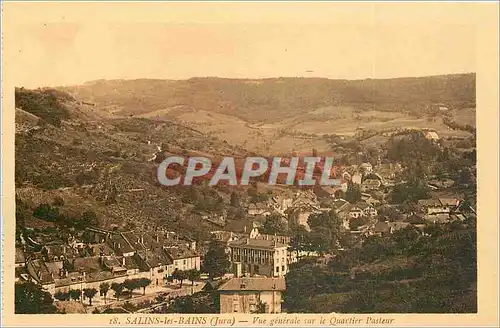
pixel 273 99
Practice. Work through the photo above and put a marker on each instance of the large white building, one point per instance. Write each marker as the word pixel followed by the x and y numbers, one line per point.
pixel 260 257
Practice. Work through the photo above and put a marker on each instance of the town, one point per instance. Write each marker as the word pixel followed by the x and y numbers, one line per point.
pixel 253 258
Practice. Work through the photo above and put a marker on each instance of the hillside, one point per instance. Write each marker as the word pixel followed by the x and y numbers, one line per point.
pixel 256 114
pixel 272 100
pixel 64 150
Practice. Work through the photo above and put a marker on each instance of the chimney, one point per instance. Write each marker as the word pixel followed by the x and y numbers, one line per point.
pixel 123 261
pixel 157 238
pixel 142 239
pixel 247 241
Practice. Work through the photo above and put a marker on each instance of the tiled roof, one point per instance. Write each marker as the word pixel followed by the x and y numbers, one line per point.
pixel 381 227
pixel 180 252
pixel 240 226
pixel 136 240
pixel 256 243
pixel 449 201
pixel 87 264
pixel 41 271
pixel 429 202
pixel 254 284
pixel 119 244
pixel 20 255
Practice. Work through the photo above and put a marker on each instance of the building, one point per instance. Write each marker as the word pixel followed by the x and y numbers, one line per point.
pixel 244 295
pixel 260 257
pixel 245 227
pixel 366 167
pixel 183 258
pixel 440 205
pixel 370 185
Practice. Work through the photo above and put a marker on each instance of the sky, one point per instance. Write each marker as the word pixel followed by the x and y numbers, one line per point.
pixel 70 43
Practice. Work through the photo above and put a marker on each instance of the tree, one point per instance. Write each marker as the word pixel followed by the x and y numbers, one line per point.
pixel 58 201
pixel 46 212
pixel 200 302
pixel 275 224
pixel 180 275
pixel 130 285
pixel 260 307
pixel 143 283
pixel 75 294
pixel 30 299
pixel 216 262
pixel 118 289
pixel 326 231
pixel 300 240
pixel 193 275
pixel 90 293
pixel 89 219
pixel 235 199
pixel 62 296
pixel 103 289
pixel 353 193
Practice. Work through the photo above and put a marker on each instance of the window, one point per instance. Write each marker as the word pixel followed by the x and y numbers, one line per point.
pixel 283 268
pixel 184 262
pixel 277 269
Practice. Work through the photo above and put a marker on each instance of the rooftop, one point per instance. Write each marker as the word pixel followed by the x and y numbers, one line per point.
pixel 254 284
pixel 256 243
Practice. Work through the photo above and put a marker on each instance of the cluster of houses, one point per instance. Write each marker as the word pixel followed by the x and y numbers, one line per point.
pixel 106 256
pixel 259 261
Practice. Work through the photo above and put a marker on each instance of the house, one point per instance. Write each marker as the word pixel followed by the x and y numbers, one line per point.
pixel 449 204
pixel 369 199
pixel 381 228
pixel 243 295
pixel 41 274
pixel 397 225
pixel 258 209
pixel 439 218
pixel 440 205
pixel 339 205
pixel 56 253
pixel 280 239
pixel 281 203
pixel 356 178
pixel 120 245
pixel 261 257
pixel 351 211
pixel 430 206
pixel 388 171
pixel 370 185
pixel 20 260
pixel 431 135
pixel 441 183
pixel 247 227
pixel 183 258
pixel 301 214
pixel 329 191
pixel 156 263
pixel 366 168
pixel 224 237
pixel 368 209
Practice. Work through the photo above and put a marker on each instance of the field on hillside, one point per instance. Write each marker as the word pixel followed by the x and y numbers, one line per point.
pixel 281 115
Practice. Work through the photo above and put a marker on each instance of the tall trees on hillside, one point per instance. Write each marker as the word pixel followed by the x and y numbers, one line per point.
pixel 30 298
pixel 216 262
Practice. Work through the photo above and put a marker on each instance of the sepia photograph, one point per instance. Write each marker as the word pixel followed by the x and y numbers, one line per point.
pixel 224 158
